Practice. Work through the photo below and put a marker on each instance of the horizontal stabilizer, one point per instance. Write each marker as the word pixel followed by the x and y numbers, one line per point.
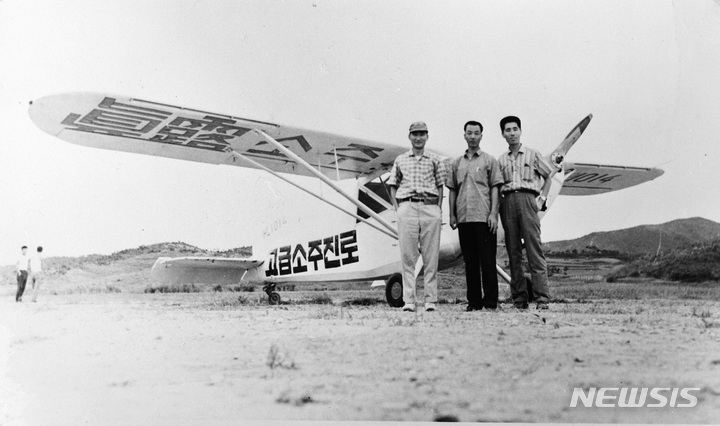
pixel 126 124
pixel 591 179
pixel 201 270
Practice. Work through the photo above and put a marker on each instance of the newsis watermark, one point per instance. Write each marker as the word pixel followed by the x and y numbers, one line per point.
pixel 634 397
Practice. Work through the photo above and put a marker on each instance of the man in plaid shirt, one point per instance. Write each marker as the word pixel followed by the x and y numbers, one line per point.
pixel 416 188
pixel 526 183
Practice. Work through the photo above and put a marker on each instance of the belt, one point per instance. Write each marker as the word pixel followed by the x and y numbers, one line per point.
pixel 425 200
pixel 528 191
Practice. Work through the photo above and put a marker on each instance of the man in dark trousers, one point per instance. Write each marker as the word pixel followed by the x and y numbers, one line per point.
pixel 473 182
pixel 21 267
pixel 526 183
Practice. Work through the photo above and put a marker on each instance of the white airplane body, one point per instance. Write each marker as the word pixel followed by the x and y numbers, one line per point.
pixel 365 246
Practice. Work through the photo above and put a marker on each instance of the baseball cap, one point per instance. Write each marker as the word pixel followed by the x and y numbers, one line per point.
pixel 418 126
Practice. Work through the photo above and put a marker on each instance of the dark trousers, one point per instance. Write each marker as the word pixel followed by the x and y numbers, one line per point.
pixel 21 281
pixel 479 249
pixel 518 212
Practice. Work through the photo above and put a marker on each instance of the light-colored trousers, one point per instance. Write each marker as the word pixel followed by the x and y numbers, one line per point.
pixel 419 229
pixel 35 278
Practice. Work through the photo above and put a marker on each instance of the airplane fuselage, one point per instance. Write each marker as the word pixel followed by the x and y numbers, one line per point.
pixel 359 253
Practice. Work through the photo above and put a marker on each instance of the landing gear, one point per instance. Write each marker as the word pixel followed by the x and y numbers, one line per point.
pixel 273 296
pixel 394 291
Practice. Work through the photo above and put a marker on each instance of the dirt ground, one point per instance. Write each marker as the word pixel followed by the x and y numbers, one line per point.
pixel 124 358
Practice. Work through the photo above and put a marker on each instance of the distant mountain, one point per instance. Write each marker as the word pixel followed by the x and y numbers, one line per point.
pixel 643 239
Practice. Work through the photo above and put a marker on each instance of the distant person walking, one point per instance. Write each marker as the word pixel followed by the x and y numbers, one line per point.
pixel 21 265
pixel 416 190
pixel 526 183
pixel 36 272
pixel 473 182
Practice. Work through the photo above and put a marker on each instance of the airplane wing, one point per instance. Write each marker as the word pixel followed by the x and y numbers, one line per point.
pixel 591 179
pixel 201 270
pixel 135 125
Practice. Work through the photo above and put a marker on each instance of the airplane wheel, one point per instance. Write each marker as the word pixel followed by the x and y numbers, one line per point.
pixel 274 298
pixel 394 291
pixel 529 285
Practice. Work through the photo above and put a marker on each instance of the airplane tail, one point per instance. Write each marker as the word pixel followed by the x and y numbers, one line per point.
pixel 591 179
pixel 558 155
pixel 557 158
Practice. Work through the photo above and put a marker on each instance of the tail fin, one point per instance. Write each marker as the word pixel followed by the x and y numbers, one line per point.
pixel 561 151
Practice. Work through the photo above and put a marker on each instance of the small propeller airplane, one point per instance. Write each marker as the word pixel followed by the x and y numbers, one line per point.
pixel 366 249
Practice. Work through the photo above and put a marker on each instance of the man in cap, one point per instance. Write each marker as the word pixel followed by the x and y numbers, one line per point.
pixel 473 182
pixel 416 188
pixel 526 183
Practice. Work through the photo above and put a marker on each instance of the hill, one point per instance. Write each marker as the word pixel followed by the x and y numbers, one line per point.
pixel 644 239
pixel 695 263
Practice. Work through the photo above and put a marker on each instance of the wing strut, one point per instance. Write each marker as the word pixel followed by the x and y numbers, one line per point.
pixel 327 181
pixel 503 274
pixel 337 164
pixel 277 175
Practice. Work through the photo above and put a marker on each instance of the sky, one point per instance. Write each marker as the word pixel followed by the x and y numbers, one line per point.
pixel 649 72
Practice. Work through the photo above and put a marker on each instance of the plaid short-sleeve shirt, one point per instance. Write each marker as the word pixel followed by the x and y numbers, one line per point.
pixel 526 170
pixel 417 176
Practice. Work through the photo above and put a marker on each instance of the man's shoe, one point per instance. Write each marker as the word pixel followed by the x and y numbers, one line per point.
pixel 409 307
pixel 520 305
pixel 543 306
pixel 429 307
pixel 471 308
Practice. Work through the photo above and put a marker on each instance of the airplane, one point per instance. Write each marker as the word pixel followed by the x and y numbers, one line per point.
pixel 363 248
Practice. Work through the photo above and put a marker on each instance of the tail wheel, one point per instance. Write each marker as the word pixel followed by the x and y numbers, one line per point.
pixel 394 291
pixel 274 298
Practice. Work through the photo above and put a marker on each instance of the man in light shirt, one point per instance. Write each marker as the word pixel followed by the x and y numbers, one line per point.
pixel 36 273
pixel 526 183
pixel 416 190
pixel 22 273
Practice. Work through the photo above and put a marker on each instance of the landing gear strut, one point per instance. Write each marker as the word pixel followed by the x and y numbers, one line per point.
pixel 273 296
pixel 394 290
pixel 529 285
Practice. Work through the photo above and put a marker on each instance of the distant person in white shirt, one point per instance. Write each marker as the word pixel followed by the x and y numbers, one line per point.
pixel 36 272
pixel 22 273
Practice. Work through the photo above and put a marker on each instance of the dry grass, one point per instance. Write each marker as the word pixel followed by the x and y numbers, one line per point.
pixel 346 355
pixel 280 358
